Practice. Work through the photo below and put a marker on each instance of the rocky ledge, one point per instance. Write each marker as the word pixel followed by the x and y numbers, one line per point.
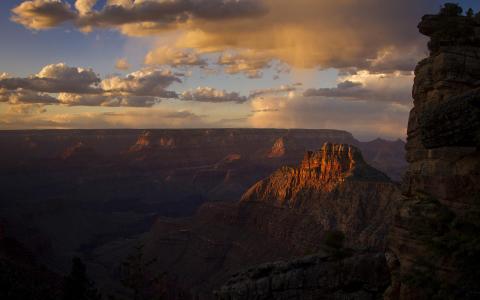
pixel 322 276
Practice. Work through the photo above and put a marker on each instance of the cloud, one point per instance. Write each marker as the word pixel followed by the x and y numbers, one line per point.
pixel 303 33
pixel 145 82
pixel 325 34
pixel 345 89
pixel 84 6
pixel 160 15
pixel 364 119
pixel 265 110
pixel 283 89
pixel 55 78
pixel 79 86
pixel 208 94
pixel 42 14
pixel 364 86
pixel 174 57
pixel 124 3
pixel 122 64
pixel 22 96
pixel 250 63
pixel 108 99
pixel 126 118
pixel 26 109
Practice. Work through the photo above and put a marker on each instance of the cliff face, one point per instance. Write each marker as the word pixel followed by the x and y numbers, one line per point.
pixel 435 234
pixel 334 189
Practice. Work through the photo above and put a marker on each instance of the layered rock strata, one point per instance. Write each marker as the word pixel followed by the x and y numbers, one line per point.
pixel 332 189
pixel 435 233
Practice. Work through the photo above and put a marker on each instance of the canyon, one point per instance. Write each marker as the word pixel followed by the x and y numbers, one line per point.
pixel 97 193
pixel 287 215
pixel 243 214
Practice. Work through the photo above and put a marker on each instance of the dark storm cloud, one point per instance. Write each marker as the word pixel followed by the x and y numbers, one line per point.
pixel 42 14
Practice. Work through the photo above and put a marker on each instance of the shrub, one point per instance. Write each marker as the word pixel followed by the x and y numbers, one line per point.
pixel 451 10
pixel 334 239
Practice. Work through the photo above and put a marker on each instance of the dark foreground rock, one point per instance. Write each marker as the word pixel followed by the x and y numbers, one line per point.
pixel 435 233
pixel 360 277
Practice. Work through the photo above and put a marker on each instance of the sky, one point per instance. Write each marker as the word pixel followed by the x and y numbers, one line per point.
pixel 345 64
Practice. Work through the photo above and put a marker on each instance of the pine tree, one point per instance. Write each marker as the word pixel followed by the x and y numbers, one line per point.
pixel 470 13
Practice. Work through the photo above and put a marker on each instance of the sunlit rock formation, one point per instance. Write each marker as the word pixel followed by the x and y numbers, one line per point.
pixel 278 149
pixel 334 189
pixel 79 152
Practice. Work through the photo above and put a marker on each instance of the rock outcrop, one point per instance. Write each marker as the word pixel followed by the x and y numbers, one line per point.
pixel 362 277
pixel 79 153
pixel 332 189
pixel 278 149
pixel 143 143
pixel 435 234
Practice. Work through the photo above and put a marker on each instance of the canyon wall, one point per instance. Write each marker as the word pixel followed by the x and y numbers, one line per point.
pixel 435 234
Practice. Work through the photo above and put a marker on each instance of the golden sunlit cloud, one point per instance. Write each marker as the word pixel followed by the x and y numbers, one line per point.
pixel 365 86
pixel 362 118
pixel 23 117
pixel 174 57
pixel 122 64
